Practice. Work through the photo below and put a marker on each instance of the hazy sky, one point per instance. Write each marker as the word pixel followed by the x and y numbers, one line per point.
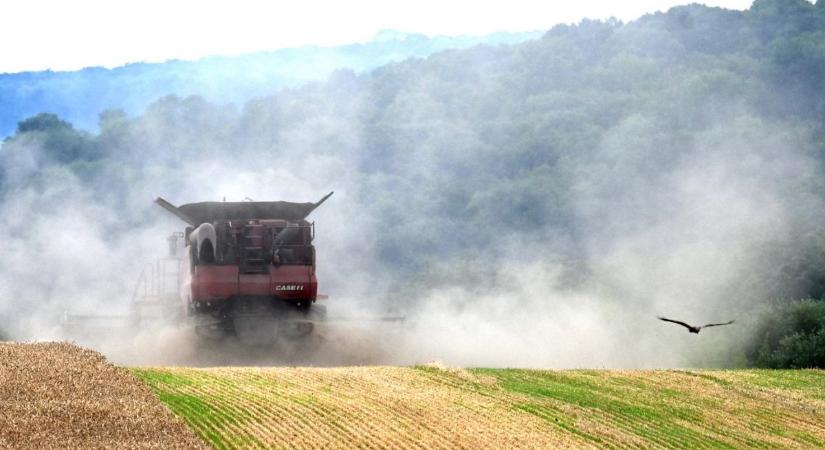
pixel 63 35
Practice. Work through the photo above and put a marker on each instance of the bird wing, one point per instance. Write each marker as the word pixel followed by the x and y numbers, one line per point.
pixel 717 324
pixel 674 321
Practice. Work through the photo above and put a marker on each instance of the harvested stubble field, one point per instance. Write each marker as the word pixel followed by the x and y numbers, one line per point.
pixel 430 407
pixel 61 396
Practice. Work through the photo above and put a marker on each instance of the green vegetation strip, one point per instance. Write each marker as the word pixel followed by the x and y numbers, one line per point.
pixel 425 407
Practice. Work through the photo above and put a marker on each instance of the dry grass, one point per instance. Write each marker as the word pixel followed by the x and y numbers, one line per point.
pixel 432 407
pixel 55 395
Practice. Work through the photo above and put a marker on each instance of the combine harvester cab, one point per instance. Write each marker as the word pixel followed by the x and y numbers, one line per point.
pixel 250 269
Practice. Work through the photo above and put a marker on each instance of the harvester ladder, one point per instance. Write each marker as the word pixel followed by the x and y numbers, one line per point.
pixel 253 258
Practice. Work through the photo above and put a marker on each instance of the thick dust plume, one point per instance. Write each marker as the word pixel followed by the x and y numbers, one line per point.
pixel 675 244
pixel 469 225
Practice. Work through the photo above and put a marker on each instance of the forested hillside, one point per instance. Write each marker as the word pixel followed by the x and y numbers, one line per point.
pixel 232 80
pixel 672 164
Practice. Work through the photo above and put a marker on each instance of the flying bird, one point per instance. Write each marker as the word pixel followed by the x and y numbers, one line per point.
pixel 691 328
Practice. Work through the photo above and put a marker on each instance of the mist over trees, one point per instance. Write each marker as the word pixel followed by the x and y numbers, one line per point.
pixel 679 156
pixel 80 95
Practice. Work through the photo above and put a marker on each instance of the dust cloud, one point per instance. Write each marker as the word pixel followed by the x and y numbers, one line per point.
pixel 674 244
pixel 655 227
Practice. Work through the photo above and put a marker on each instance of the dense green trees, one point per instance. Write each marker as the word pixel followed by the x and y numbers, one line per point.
pixel 59 140
pixel 790 335
pixel 529 130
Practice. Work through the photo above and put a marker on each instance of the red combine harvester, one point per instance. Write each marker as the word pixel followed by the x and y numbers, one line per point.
pixel 250 269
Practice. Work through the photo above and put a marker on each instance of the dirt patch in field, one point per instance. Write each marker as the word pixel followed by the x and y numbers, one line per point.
pixel 57 395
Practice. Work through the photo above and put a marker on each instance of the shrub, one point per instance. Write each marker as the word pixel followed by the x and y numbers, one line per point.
pixel 791 335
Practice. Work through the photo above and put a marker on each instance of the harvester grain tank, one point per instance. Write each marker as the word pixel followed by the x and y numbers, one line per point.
pixel 250 269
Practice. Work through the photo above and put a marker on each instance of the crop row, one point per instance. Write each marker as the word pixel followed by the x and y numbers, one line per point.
pixel 427 407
